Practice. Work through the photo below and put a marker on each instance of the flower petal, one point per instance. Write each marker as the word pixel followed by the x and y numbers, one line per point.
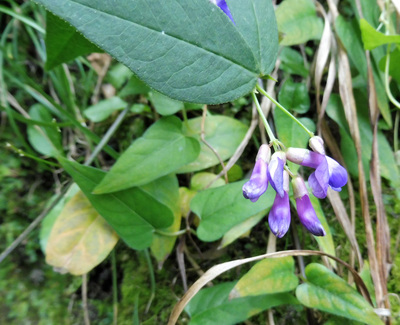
pixel 308 217
pixel 337 174
pixel 319 180
pixel 275 174
pixel 258 182
pixel 318 190
pixel 224 7
pixel 304 157
pixel 279 216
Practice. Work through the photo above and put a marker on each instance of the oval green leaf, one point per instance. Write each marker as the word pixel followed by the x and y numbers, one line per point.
pixel 223 207
pixel 271 275
pixel 223 133
pixel 328 292
pixel 133 213
pixel 162 150
pixel 187 50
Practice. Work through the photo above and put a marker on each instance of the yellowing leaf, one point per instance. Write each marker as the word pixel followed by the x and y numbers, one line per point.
pixel 80 238
pixel 272 275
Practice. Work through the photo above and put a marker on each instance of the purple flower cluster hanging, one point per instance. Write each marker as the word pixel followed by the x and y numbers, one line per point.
pixel 271 169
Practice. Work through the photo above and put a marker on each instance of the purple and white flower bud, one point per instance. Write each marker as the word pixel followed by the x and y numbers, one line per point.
pixel 275 172
pixel 279 216
pixel 258 183
pixel 317 144
pixel 305 210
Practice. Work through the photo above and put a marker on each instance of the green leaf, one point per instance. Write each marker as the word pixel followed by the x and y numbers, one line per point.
pixel 298 22
pixel 271 275
pixel 168 193
pixel 133 213
pixel 223 133
pixel 103 109
pixel 187 50
pixel 328 292
pixel 47 141
pixel 160 151
pixel 223 207
pixel 291 134
pixel 200 181
pixel 240 229
pixel 212 306
pixel 165 105
pixel 325 243
pixel 372 38
pixel 255 20
pixel 51 217
pixel 80 238
pixel 292 62
pixel 134 87
pixel 294 95
pixel 64 43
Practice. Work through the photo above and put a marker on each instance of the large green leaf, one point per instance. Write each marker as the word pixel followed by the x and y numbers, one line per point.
pixel 298 22
pixel 223 133
pixel 326 291
pixel 212 306
pixel 44 139
pixel 188 50
pixel 223 207
pixel 64 43
pixel 161 150
pixel 133 213
pixel 271 275
pixel 255 19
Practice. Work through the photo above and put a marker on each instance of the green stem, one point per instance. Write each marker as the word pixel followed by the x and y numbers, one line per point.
pixel 396 132
pixel 25 154
pixel 264 120
pixel 283 109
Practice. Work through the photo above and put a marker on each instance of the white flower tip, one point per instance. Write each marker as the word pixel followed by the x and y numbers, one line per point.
pixel 264 153
pixel 317 144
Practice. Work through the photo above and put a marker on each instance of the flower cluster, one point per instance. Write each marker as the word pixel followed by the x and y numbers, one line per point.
pixel 271 169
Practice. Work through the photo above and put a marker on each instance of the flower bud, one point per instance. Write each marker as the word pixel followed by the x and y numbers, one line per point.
pixel 275 171
pixel 317 144
pixel 305 210
pixel 279 216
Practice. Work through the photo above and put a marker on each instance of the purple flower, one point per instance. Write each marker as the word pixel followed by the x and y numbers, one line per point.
pixel 258 183
pixel 305 210
pixel 275 172
pixel 224 7
pixel 279 216
pixel 327 173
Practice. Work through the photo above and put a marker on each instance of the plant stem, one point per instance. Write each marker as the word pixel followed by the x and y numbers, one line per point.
pixel 283 109
pixel 265 122
pixel 152 279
